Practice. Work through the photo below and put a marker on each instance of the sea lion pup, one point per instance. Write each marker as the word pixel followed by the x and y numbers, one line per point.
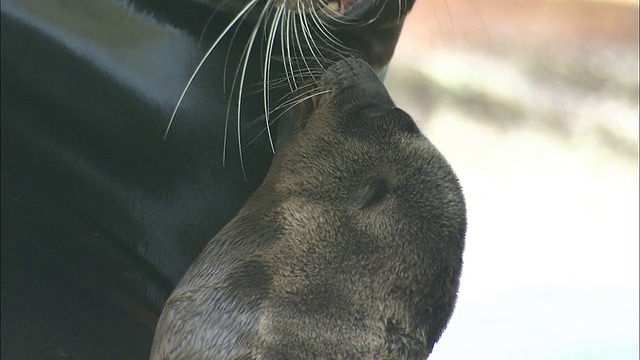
pixel 350 249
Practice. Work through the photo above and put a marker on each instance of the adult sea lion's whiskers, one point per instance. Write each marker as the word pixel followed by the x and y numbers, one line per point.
pixel 291 101
pixel 295 32
pixel 267 69
pixel 325 34
pixel 309 36
pixel 288 45
pixel 283 29
pixel 226 61
pixel 297 45
pixel 297 101
pixel 206 25
pixel 300 98
pixel 288 103
pixel 240 15
pixel 244 56
pixel 282 81
pixel 226 122
pixel 376 17
pixel 252 39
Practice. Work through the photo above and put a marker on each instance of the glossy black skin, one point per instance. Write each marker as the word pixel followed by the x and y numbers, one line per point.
pixel 93 197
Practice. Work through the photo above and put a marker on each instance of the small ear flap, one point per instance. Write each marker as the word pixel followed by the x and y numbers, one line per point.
pixel 376 191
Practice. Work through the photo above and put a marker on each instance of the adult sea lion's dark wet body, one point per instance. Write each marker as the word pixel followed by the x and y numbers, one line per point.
pixel 350 249
pixel 101 215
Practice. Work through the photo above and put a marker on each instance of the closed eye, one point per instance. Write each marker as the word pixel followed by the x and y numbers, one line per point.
pixel 376 191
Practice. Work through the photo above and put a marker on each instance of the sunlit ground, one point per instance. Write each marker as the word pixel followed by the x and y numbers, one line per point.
pixel 542 131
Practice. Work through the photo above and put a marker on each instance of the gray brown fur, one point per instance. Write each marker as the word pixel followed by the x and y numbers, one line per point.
pixel 350 249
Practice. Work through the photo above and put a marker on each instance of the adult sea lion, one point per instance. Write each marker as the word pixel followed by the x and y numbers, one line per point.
pixel 350 249
pixel 103 210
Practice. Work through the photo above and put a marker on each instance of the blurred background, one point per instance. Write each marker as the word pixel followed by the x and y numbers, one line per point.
pixel 535 104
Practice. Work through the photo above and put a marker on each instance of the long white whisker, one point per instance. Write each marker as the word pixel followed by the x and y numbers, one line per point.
pixel 267 70
pixel 287 103
pixel 282 28
pixel 327 36
pixel 204 30
pixel 244 10
pixel 226 61
pixel 307 35
pixel 233 86
pixel 295 31
pixel 252 39
pixel 290 37
pixel 287 110
pixel 373 19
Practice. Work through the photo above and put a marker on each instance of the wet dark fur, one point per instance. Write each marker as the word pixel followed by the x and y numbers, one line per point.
pixel 350 249
pixel 101 214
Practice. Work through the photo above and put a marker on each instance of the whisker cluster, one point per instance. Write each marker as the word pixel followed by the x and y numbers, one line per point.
pixel 307 45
